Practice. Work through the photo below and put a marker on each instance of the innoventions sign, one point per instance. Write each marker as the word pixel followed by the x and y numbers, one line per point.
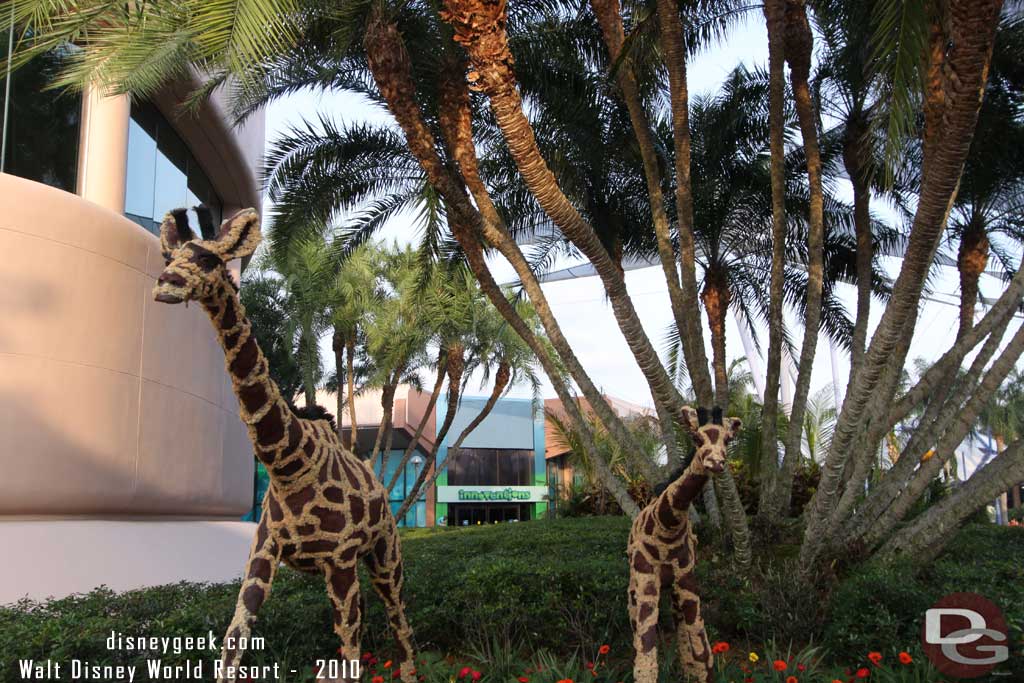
pixel 492 494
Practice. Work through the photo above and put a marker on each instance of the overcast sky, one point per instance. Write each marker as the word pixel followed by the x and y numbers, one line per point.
pixel 580 306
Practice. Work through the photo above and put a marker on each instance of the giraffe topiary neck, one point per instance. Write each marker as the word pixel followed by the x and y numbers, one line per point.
pixel 674 502
pixel 280 441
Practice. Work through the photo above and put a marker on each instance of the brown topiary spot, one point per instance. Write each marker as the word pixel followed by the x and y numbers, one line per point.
pixel 641 564
pixel 253 397
pixel 276 513
pixel 356 508
pixel 317 546
pixel 375 511
pixel 330 520
pixel 289 468
pixel 246 358
pixel 298 500
pixel 259 568
pixel 252 598
pixel 270 429
pixel 649 639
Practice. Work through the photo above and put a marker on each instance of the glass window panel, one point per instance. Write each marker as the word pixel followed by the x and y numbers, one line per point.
pixel 141 172
pixel 42 126
pixel 170 184
pixel 162 173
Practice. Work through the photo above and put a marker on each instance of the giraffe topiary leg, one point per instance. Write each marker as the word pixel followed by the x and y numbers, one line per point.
pixel 343 589
pixel 385 565
pixel 264 556
pixel 643 615
pixel 691 638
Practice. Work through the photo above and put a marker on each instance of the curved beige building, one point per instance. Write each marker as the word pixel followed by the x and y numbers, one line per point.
pixel 123 459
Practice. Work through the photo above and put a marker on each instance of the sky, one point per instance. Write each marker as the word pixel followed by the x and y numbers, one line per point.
pixel 580 306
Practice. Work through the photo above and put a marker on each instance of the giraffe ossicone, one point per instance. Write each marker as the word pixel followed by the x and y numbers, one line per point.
pixel 662 555
pixel 324 510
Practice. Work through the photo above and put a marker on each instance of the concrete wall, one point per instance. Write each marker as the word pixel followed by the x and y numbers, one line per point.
pixel 110 403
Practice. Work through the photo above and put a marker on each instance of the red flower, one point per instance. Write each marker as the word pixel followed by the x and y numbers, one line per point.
pixel 594 674
pixel 589 665
pixel 779 665
pixel 720 647
pixel 387 664
pixel 905 658
pixel 748 680
pixel 603 650
pixel 863 673
pixel 801 667
pixel 565 680
pixel 366 655
pixel 377 679
pixel 465 671
pixel 875 657
pixel 524 679
pixel 791 679
pixel 475 676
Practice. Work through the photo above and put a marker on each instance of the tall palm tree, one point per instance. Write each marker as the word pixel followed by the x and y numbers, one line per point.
pixel 268 309
pixel 306 268
pixel 397 333
pixel 353 295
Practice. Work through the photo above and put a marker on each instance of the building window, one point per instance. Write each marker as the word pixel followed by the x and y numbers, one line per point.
pixel 417 513
pixel 162 174
pixel 40 128
pixel 491 467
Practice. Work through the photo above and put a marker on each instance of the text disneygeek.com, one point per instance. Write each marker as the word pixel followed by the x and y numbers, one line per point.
pixel 156 667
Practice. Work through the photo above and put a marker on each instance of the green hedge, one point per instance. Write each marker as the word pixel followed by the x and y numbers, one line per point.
pixel 557 585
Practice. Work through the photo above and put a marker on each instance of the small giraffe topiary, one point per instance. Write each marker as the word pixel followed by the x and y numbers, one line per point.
pixel 661 555
pixel 324 510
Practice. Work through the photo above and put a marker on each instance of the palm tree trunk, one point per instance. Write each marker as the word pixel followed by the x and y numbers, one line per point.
pixel 716 298
pixel 674 48
pixel 955 425
pixel 389 63
pixel 799 45
pixel 711 507
pixel 855 153
pixel 960 51
pixel 480 28
pixel 610 18
pixel 338 346
pixel 455 366
pixel 774 12
pixel 994 322
pixel 308 371
pixel 932 430
pixel 971 262
pixel 387 404
pixel 350 353
pixel 427 414
pixel 925 537
pixel 501 380
pixel 716 303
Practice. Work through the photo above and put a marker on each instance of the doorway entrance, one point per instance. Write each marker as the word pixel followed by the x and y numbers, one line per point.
pixel 460 514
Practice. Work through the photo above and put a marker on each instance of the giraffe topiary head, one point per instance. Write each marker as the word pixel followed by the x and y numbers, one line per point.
pixel 710 437
pixel 195 266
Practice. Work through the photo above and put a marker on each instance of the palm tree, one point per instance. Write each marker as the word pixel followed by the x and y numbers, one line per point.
pixel 268 309
pixel 397 332
pixel 988 214
pixel 353 295
pixel 498 349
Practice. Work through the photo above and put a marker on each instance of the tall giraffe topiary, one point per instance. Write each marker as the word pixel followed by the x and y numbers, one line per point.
pixel 661 555
pixel 324 510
